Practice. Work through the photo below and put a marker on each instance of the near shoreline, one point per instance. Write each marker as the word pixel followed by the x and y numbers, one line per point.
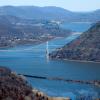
pixel 39 93
pixel 81 61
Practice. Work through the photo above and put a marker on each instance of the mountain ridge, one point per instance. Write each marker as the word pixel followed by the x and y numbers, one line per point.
pixel 14 30
pixel 49 12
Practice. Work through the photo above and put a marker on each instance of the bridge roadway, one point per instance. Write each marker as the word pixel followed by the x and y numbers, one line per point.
pixel 91 82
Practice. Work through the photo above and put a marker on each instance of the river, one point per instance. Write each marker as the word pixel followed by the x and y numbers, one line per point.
pixel 32 60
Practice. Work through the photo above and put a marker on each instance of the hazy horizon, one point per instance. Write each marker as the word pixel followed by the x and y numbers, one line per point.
pixel 79 6
pixel 48 6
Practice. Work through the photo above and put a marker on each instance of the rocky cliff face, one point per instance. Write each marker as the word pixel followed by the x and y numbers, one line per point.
pixel 15 87
pixel 85 48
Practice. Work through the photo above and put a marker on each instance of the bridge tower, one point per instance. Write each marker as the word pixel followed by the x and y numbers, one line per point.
pixel 47 51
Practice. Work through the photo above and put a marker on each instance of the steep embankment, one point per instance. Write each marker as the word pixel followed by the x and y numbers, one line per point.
pixel 84 48
pixel 15 87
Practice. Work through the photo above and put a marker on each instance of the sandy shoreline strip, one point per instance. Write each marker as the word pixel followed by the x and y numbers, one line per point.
pixel 35 91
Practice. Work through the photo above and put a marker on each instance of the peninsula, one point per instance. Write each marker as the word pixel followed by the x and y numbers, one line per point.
pixel 85 48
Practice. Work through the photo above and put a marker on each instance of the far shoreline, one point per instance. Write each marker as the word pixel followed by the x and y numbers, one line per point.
pixel 29 44
pixel 26 44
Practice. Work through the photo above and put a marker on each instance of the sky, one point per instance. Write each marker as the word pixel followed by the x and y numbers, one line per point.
pixel 73 5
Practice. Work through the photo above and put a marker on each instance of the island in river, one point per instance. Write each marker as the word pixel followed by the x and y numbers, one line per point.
pixel 85 48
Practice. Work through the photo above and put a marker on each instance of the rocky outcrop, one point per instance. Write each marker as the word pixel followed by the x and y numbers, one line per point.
pixel 84 48
pixel 15 87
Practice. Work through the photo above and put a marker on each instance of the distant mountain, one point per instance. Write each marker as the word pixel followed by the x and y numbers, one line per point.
pixel 15 25
pixel 14 30
pixel 33 12
pixel 84 48
pixel 51 13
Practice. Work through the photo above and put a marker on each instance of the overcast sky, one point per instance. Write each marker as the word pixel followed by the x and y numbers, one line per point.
pixel 73 5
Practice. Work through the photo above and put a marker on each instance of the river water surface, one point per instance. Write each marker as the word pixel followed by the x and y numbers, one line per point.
pixel 32 60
